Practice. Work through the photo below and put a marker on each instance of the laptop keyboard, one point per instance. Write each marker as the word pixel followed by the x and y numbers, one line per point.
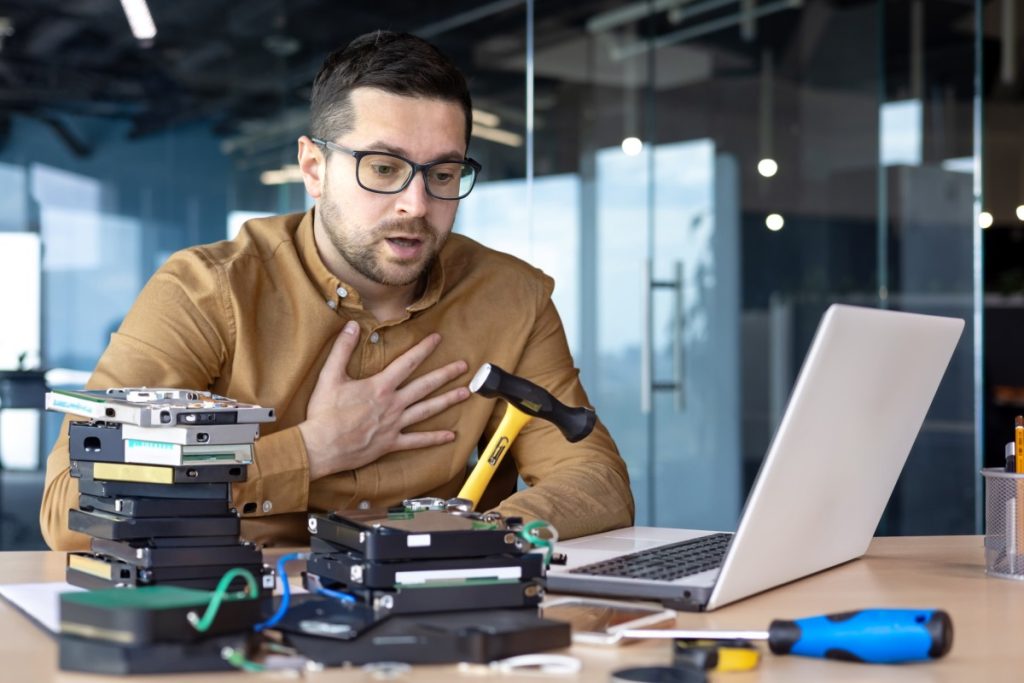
pixel 666 562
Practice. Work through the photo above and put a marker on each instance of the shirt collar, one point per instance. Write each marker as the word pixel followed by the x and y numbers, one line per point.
pixel 435 285
pixel 331 288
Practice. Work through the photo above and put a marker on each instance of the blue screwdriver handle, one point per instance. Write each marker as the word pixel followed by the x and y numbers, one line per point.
pixel 880 636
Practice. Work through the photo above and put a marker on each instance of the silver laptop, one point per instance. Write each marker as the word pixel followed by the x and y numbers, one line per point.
pixel 857 406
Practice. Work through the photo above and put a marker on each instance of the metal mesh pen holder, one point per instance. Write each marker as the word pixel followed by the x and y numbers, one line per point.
pixel 1004 523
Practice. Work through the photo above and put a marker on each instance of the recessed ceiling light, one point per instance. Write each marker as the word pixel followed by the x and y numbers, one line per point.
pixel 139 19
pixel 632 146
pixel 767 167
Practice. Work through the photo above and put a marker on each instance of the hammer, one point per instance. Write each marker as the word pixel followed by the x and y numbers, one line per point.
pixel 526 400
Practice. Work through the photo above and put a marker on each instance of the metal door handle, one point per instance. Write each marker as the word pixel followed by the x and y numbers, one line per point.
pixel 648 385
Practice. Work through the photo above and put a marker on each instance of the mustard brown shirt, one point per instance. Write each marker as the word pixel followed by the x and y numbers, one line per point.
pixel 254 318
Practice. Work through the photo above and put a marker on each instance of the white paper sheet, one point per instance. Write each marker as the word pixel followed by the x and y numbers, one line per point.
pixel 40 601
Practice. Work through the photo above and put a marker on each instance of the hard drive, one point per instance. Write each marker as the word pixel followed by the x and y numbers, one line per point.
pixel 153 614
pixel 352 569
pixel 158 474
pixel 96 441
pixel 428 534
pixel 144 554
pixel 115 489
pixel 468 596
pixel 176 541
pixel 117 528
pixel 96 570
pixel 93 583
pixel 89 655
pixel 194 435
pixel 148 407
pixel 90 570
pixel 143 452
pixel 420 639
pixel 135 506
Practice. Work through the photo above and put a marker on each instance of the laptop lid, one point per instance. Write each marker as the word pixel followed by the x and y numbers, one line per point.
pixel 856 408
pixel 858 404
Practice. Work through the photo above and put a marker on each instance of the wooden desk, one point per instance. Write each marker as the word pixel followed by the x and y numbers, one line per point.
pixel 946 572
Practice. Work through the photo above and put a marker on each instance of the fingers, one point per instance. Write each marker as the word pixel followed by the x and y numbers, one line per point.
pixel 341 352
pixel 431 382
pixel 425 409
pixel 413 440
pixel 400 368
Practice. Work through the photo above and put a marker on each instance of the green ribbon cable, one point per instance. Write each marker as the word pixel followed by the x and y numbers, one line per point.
pixel 528 534
pixel 202 624
pixel 237 659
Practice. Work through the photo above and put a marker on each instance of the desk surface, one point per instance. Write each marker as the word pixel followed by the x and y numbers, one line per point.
pixel 946 572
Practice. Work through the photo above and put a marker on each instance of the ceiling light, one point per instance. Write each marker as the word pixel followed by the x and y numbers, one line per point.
pixel 502 137
pixel 1020 212
pixel 774 222
pixel 767 167
pixel 485 118
pixel 985 220
pixel 139 18
pixel 632 146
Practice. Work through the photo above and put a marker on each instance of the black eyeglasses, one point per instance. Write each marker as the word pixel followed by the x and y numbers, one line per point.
pixel 388 173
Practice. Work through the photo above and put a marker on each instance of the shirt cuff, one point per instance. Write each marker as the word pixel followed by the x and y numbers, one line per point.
pixel 278 480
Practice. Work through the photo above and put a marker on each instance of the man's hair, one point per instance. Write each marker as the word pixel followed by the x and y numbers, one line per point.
pixel 397 63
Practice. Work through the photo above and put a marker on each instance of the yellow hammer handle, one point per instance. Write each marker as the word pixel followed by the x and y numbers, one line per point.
pixel 490 458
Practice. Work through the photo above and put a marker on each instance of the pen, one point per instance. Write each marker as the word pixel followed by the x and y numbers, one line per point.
pixel 1017 533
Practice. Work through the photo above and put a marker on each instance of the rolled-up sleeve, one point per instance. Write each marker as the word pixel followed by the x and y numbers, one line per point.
pixel 580 488
pixel 179 333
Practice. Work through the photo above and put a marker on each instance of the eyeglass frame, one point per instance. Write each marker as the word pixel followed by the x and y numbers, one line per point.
pixel 416 168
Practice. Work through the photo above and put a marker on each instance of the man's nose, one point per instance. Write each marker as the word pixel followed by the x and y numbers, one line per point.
pixel 413 200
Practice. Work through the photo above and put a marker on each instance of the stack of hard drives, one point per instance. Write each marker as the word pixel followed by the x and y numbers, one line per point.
pixel 154 470
pixel 421 583
pixel 154 629
pixel 416 577
pixel 406 561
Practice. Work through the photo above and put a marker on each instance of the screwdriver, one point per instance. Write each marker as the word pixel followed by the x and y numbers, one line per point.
pixel 879 636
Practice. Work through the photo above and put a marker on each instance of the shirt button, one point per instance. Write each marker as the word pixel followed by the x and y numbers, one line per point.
pixel 364 505
pixel 342 292
pixel 267 506
pixel 375 337
pixel 332 304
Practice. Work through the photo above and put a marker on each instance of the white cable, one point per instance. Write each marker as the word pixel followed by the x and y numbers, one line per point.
pixel 541 664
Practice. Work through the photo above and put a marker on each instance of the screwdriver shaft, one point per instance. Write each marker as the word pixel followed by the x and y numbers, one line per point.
pixel 692 634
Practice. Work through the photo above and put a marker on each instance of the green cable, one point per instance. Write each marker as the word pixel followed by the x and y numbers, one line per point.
pixel 528 535
pixel 203 624
pixel 237 659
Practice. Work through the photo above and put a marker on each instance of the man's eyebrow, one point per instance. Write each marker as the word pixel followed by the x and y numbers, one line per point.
pixel 381 146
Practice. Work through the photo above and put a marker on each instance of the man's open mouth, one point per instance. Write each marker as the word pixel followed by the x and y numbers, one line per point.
pixel 404 241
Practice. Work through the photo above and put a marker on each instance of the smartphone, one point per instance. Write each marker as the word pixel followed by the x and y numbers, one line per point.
pixel 596 622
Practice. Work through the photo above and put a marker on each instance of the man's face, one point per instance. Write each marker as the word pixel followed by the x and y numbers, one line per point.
pixel 391 239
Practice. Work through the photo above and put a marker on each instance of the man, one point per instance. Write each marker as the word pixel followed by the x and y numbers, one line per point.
pixel 361 321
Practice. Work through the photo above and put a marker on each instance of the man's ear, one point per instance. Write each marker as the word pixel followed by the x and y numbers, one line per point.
pixel 312 163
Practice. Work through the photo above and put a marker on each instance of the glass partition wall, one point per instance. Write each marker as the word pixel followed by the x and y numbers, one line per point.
pixel 708 177
pixel 701 177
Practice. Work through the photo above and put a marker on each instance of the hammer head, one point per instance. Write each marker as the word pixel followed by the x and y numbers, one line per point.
pixel 491 381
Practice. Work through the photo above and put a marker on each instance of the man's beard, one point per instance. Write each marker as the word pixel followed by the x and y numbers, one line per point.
pixel 364 255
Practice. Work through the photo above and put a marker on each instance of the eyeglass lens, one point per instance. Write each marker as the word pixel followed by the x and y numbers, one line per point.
pixel 386 173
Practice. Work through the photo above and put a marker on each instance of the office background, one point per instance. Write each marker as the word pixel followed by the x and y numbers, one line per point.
pixel 702 178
